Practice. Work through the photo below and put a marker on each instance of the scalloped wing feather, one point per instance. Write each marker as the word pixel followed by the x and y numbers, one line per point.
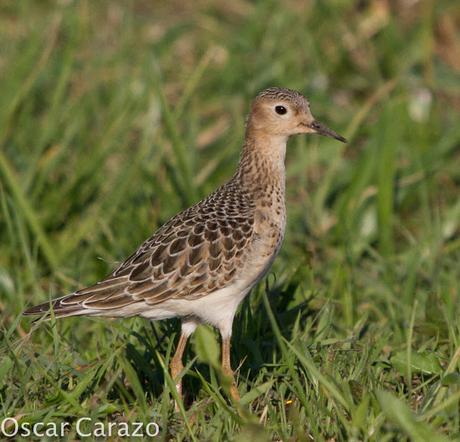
pixel 199 251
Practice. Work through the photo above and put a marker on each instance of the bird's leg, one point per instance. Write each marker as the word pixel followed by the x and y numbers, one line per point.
pixel 176 366
pixel 227 368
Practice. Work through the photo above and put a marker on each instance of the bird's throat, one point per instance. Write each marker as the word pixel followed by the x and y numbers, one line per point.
pixel 261 169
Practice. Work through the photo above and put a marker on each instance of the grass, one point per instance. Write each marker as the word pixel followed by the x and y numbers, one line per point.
pixel 114 116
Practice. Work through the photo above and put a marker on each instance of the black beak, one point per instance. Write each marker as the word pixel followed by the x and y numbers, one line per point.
pixel 321 129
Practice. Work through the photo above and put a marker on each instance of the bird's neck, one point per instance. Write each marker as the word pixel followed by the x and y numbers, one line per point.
pixel 261 170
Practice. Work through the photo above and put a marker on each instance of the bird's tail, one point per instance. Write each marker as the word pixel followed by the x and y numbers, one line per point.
pixel 56 306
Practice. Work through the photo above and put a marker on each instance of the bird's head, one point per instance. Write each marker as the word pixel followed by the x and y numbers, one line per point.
pixel 284 112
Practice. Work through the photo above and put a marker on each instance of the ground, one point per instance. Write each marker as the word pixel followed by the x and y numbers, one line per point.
pixel 114 116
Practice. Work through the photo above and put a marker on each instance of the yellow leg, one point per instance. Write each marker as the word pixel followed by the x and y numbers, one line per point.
pixel 176 366
pixel 227 369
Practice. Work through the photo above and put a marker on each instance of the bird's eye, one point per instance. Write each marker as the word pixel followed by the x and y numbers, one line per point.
pixel 280 110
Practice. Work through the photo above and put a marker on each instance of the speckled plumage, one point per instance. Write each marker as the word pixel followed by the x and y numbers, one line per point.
pixel 204 261
pixel 198 251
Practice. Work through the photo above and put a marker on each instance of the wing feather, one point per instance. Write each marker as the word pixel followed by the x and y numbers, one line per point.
pixel 198 251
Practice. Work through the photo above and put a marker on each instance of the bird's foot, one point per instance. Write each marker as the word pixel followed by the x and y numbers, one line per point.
pixel 231 385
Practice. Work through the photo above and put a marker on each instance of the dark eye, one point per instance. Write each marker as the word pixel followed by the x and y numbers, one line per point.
pixel 280 110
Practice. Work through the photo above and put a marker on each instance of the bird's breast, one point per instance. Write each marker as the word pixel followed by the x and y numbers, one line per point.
pixel 269 227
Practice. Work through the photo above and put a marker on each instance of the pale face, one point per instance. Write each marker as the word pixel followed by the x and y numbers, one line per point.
pixel 287 116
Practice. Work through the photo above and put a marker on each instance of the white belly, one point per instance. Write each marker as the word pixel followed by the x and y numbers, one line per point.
pixel 217 308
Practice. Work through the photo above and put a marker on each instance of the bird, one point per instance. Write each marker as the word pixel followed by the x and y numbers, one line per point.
pixel 202 263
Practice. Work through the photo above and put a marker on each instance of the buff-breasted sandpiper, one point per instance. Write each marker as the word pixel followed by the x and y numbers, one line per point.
pixel 202 263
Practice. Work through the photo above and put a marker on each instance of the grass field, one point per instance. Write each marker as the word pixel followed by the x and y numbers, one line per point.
pixel 115 115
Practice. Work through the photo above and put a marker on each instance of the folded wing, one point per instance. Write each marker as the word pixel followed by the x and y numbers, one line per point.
pixel 197 252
